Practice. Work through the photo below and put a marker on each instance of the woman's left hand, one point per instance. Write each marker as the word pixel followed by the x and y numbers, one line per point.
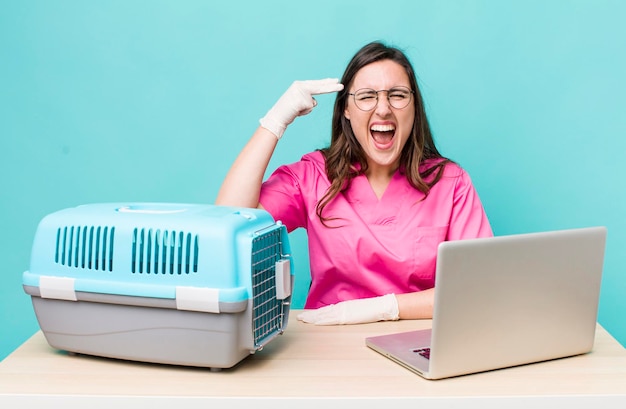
pixel 361 311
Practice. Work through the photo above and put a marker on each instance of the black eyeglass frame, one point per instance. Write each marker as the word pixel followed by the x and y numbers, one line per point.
pixel 388 91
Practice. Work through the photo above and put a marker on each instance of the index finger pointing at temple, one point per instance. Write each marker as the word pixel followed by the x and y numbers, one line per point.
pixel 325 86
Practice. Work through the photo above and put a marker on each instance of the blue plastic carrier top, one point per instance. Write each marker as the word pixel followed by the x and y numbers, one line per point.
pixel 202 256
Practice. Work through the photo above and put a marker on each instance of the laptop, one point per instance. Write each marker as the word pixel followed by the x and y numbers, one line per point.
pixel 505 301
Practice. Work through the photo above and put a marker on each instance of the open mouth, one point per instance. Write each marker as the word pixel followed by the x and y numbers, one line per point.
pixel 383 135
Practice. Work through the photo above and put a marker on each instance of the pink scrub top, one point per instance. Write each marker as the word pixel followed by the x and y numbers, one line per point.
pixel 380 246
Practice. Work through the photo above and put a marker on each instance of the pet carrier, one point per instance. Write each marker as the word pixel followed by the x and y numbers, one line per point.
pixel 182 284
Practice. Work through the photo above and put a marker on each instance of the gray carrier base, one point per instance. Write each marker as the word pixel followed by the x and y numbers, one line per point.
pixel 153 330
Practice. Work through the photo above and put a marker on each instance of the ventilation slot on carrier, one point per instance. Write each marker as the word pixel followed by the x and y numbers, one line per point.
pixel 267 309
pixel 164 252
pixel 88 247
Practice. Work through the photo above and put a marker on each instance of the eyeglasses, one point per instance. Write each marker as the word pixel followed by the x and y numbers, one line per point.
pixel 366 99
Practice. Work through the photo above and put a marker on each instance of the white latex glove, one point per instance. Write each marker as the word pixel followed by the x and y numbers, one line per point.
pixel 296 101
pixel 361 311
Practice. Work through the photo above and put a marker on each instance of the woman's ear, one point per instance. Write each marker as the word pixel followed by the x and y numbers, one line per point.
pixel 346 114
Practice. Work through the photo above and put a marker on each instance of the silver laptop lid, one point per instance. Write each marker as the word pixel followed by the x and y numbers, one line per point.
pixel 517 299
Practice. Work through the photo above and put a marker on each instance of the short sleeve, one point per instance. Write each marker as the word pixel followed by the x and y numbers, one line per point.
pixel 281 196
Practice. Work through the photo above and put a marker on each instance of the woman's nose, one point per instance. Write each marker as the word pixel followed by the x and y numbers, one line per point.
pixel 383 107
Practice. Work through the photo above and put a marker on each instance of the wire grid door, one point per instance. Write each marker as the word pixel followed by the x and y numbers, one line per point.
pixel 267 309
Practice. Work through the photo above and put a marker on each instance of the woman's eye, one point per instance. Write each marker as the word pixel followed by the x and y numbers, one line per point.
pixel 398 95
pixel 366 97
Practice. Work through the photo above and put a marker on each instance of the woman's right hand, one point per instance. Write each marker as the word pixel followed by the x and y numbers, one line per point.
pixel 296 101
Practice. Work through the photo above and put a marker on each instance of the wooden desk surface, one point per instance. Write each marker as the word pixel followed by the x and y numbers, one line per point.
pixel 306 361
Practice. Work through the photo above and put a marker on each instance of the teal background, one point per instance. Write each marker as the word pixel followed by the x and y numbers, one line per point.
pixel 152 100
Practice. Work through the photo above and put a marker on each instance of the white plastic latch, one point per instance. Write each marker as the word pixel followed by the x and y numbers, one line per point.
pixel 198 299
pixel 283 279
pixel 58 288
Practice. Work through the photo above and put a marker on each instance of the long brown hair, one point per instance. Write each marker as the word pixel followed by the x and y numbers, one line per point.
pixel 345 158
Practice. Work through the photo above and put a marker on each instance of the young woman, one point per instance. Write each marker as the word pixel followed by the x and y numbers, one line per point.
pixel 375 203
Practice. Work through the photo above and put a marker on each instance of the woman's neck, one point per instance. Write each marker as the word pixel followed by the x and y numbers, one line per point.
pixel 379 178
